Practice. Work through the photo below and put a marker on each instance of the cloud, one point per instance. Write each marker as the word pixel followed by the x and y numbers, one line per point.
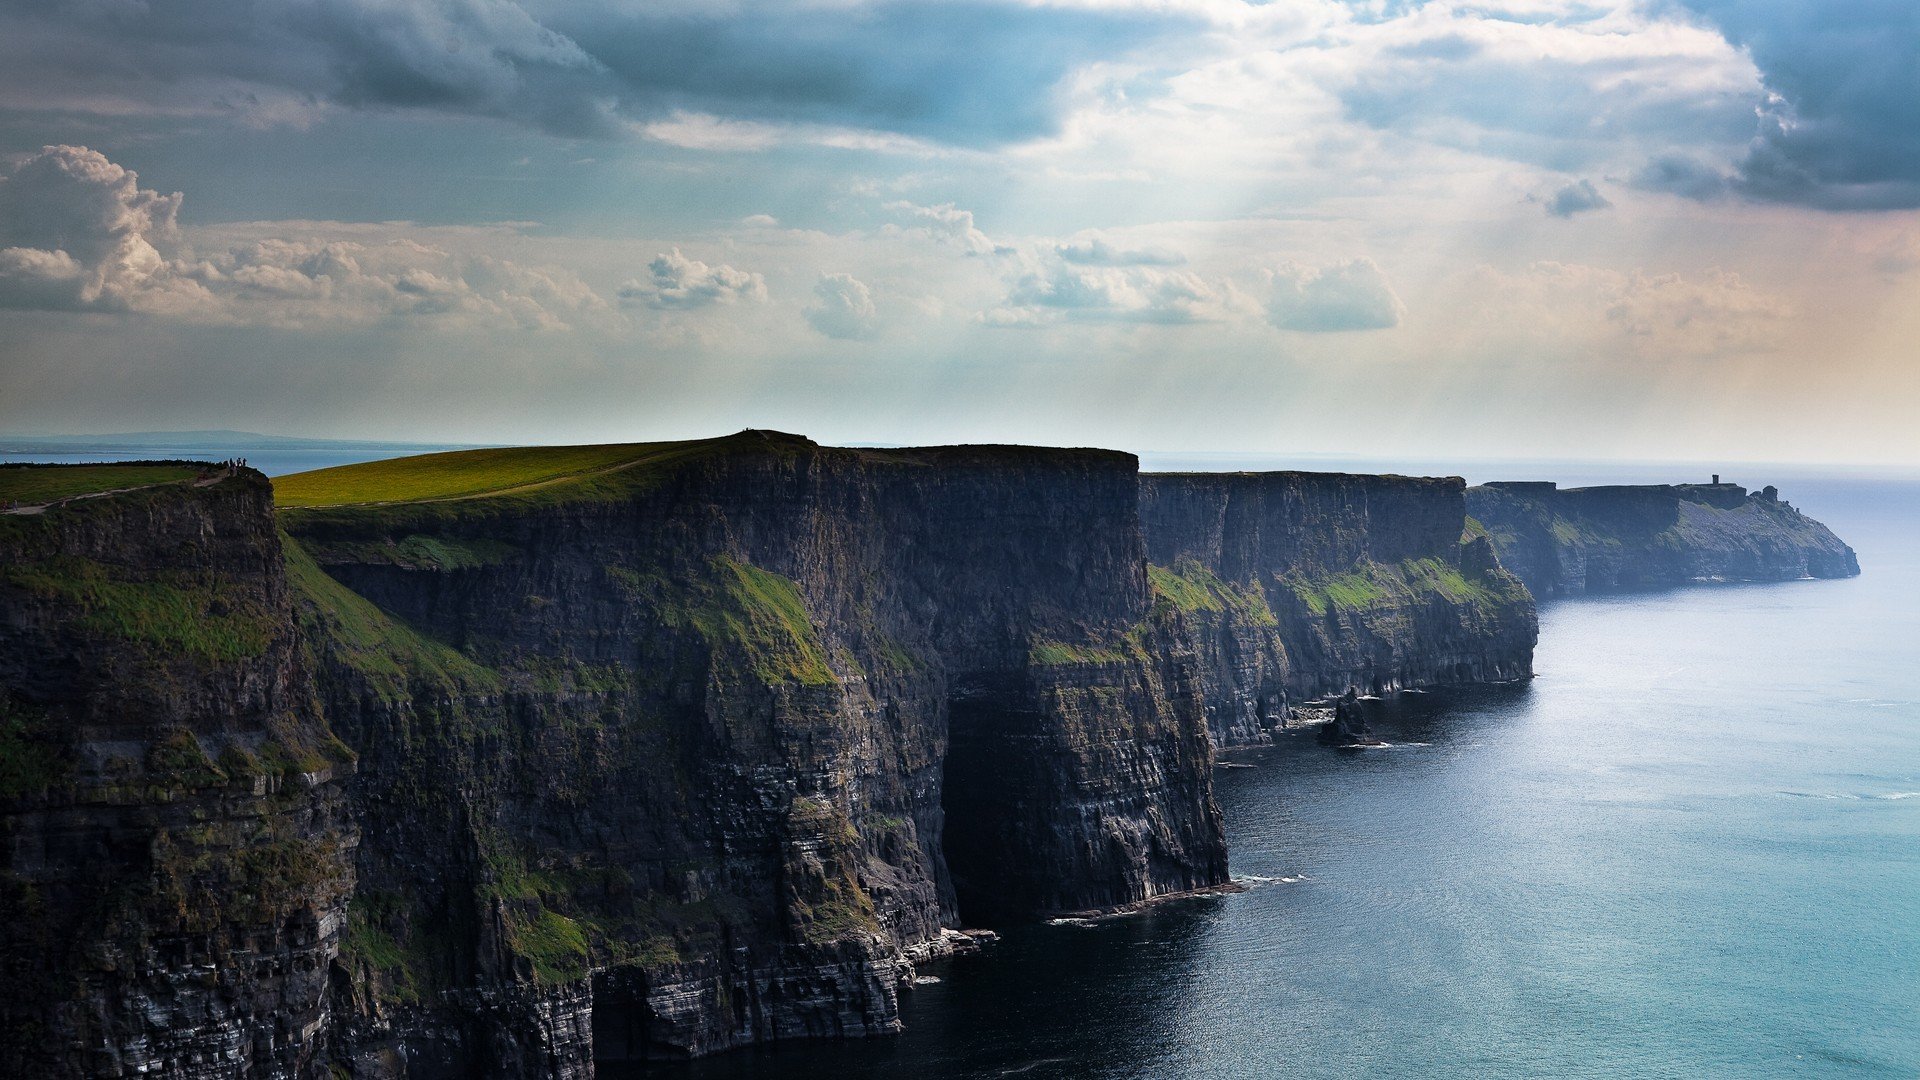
pixel 1137 294
pixel 595 68
pixel 948 224
pixel 1564 86
pixel 1343 296
pixel 78 233
pixel 1096 251
pixel 1678 174
pixel 1577 197
pixel 845 309
pixel 1840 128
pixel 1598 312
pixel 677 282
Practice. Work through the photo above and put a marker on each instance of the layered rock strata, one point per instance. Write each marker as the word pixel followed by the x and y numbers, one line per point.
pixel 654 762
pixel 1297 586
pixel 176 855
pixel 712 746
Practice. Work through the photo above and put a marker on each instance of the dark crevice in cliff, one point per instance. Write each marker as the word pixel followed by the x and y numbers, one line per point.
pixel 989 792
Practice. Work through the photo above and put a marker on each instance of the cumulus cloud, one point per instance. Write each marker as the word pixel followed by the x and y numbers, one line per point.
pixel 1096 251
pixel 677 282
pixel 947 224
pixel 78 233
pixel 1139 294
pixel 1340 297
pixel 845 309
pixel 1577 197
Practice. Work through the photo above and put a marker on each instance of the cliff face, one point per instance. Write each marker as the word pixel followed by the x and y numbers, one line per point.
pixel 177 853
pixel 1299 585
pixel 1625 537
pixel 703 753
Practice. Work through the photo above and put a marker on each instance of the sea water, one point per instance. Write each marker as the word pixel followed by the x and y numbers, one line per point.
pixel 1690 847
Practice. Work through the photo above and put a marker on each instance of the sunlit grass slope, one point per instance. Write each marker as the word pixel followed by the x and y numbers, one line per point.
pixel 470 474
pixel 33 484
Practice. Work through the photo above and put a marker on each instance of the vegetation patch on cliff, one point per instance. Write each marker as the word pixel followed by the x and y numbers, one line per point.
pixel 1194 588
pixel 756 613
pixel 195 613
pixel 1369 585
pixel 388 652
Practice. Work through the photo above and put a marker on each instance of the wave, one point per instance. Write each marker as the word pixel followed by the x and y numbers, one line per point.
pixel 1256 880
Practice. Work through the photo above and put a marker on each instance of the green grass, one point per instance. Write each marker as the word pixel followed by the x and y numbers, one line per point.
pixel 555 945
pixel 385 650
pixel 760 615
pixel 1369 585
pixel 179 612
pixel 35 484
pixel 472 474
pixel 1194 588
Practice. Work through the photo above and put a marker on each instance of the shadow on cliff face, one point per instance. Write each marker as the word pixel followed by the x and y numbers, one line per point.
pixel 990 797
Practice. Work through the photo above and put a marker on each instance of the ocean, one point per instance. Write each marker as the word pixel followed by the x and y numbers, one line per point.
pixel 1690 847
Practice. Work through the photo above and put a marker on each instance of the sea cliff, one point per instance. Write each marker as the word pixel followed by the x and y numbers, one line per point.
pixel 702 747
pixel 506 762
pixel 1564 542
pixel 177 850
pixel 1297 586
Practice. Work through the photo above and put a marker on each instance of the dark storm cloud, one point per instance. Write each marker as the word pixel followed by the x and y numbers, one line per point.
pixel 979 72
pixel 1845 131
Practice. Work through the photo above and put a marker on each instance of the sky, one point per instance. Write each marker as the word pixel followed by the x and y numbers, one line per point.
pixel 1662 229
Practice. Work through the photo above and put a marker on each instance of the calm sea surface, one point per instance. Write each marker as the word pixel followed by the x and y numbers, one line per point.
pixel 1690 847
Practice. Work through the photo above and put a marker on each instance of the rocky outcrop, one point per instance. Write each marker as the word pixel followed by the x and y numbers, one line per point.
pixel 1299 585
pixel 177 851
pixel 1600 539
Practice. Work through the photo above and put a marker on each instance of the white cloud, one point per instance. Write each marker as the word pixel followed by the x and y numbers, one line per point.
pixel 678 282
pixel 77 232
pixel 1139 294
pixel 947 224
pixel 1343 296
pixel 845 309
pixel 1096 251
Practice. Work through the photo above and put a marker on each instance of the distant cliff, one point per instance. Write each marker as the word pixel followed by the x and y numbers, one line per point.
pixel 1299 585
pixel 1598 539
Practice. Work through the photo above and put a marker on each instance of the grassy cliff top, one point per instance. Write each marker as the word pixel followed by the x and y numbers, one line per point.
pixel 32 484
pixel 474 474
pixel 570 472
